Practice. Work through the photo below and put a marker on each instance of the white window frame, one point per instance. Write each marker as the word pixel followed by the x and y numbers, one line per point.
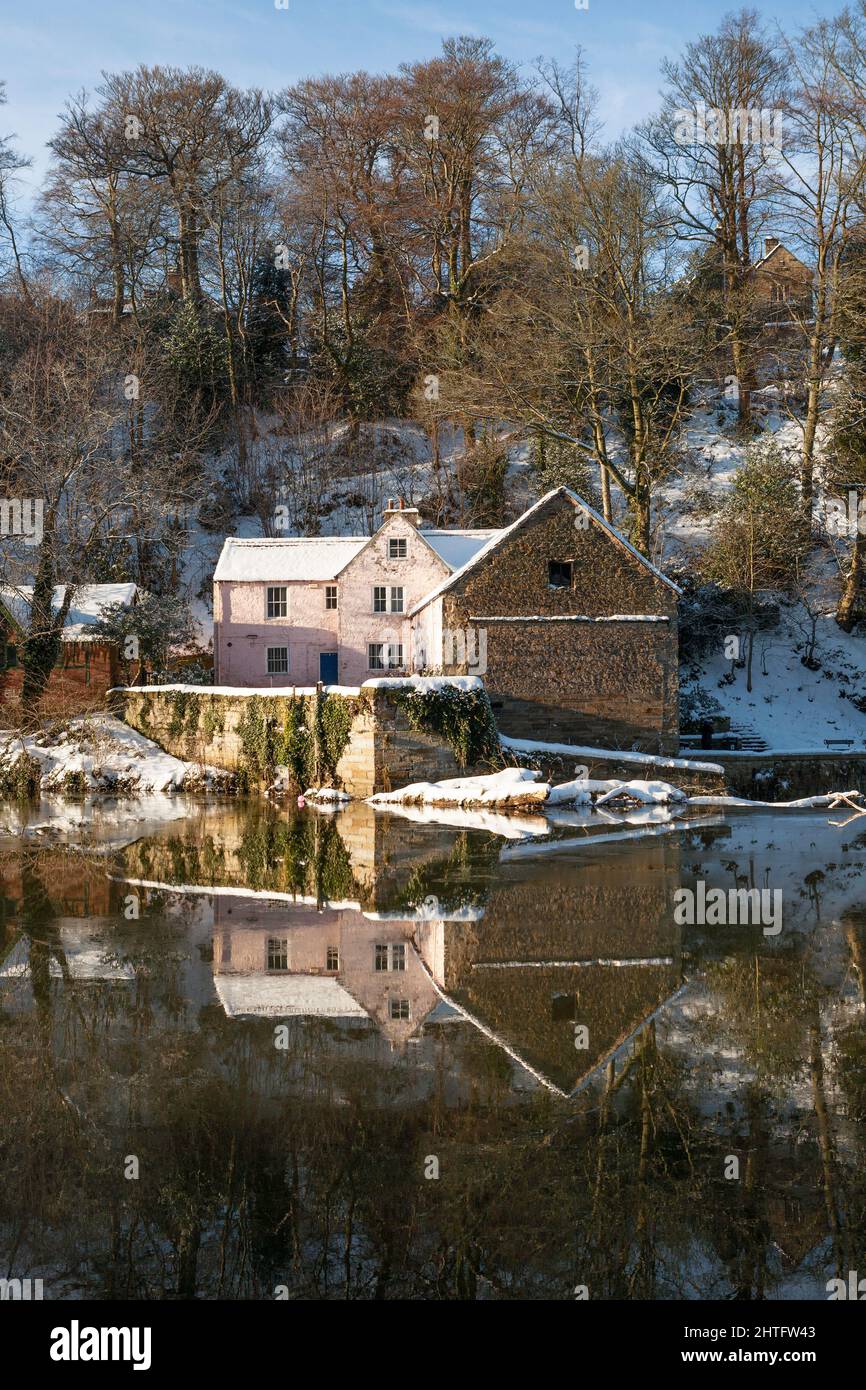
pixel 395 1010
pixel 276 945
pixel 398 548
pixel 274 671
pixel 391 658
pixel 389 598
pixel 331 592
pixel 390 952
pixel 280 603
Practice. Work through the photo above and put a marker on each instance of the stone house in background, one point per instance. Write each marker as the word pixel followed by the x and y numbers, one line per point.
pixel 782 284
pixel 576 630
pixel 573 631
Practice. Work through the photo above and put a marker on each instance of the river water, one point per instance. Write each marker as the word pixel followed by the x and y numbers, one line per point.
pixel 248 1053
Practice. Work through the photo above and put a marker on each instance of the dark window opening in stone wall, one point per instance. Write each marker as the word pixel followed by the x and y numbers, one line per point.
pixel 560 574
pixel 562 1007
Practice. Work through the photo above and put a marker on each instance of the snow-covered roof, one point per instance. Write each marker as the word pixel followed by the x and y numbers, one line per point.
pixel 282 996
pixel 499 536
pixel 310 558
pixel 456 548
pixel 88 603
pixel 83 958
pixel 315 559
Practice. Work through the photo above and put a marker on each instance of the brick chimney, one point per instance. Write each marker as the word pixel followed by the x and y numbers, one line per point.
pixel 770 244
pixel 396 506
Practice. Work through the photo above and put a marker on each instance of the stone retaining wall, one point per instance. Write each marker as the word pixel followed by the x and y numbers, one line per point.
pixel 787 776
pixel 382 752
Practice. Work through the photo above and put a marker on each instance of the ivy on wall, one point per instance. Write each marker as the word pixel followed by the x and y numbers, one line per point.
pixel 22 779
pixel 463 718
pixel 185 712
pixel 308 736
pixel 212 722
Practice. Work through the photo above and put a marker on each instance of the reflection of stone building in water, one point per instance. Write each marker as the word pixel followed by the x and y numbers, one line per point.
pixel 71 886
pixel 588 948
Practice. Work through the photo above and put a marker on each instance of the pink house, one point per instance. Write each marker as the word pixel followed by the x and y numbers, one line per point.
pixel 295 611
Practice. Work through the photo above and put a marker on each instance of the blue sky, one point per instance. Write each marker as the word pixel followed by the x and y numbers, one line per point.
pixel 52 48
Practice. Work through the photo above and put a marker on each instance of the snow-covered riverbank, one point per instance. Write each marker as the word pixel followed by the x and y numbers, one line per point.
pixel 100 754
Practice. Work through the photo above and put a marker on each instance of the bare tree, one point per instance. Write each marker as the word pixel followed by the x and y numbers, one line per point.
pixel 713 144
pixel 11 163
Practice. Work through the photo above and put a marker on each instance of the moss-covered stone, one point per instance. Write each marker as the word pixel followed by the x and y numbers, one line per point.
pixel 462 717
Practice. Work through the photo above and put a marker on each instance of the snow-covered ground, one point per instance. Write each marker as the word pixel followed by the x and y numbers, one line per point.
pixel 102 754
pixel 574 750
pixel 791 707
pixel 517 786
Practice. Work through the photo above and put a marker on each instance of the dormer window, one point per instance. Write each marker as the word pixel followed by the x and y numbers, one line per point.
pixel 560 574
pixel 398 548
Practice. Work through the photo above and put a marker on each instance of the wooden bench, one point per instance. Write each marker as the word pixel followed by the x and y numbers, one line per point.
pixel 838 743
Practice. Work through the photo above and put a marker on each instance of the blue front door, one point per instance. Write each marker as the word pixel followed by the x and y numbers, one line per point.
pixel 328 667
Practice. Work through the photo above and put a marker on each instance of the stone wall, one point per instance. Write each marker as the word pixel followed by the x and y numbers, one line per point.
pixel 788 776
pixel 382 752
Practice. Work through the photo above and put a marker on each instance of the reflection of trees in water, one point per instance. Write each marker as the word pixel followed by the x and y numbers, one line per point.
pixel 462 878
pixel 774 1012
pixel 268 850
pixel 307 1169
pixel 250 1180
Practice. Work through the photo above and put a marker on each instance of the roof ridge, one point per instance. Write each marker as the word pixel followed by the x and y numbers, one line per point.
pixel 290 540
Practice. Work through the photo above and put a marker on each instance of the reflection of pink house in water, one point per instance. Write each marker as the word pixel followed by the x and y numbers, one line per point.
pixel 596 951
pixel 335 963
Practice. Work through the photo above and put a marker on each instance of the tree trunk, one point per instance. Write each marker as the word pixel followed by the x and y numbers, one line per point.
pixel 42 645
pixel 847 612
